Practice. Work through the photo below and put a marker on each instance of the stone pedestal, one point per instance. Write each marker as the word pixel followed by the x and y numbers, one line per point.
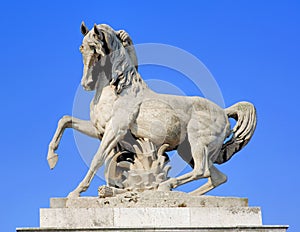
pixel 152 211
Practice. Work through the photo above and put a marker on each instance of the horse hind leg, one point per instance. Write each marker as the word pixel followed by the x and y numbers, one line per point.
pixel 199 153
pixel 216 178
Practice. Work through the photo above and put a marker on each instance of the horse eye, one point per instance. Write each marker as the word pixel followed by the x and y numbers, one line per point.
pixel 92 47
pixel 81 48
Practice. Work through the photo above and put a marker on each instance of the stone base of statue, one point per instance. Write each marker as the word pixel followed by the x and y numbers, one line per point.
pixel 152 211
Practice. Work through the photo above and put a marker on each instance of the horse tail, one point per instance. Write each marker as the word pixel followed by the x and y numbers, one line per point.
pixel 245 115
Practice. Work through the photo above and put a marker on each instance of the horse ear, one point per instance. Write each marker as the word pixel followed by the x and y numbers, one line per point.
pixel 83 28
pixel 98 32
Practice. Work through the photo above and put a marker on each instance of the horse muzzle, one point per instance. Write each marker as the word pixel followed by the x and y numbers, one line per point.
pixel 87 82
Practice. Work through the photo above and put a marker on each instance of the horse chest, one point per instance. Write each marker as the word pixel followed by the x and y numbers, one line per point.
pixel 101 111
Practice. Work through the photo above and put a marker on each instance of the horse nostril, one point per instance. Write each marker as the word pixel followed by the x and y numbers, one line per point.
pixel 82 82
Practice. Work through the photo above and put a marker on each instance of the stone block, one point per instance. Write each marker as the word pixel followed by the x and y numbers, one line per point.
pixel 155 199
pixel 156 229
pixel 76 218
pixel 225 217
pixel 152 217
pixel 152 211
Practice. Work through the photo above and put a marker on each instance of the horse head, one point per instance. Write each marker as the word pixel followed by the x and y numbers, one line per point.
pixel 105 59
pixel 94 52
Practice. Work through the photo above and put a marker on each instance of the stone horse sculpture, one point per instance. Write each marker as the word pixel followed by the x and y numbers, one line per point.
pixel 124 105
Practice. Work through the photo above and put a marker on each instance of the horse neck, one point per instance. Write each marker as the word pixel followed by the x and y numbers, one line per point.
pixel 137 86
pixel 99 88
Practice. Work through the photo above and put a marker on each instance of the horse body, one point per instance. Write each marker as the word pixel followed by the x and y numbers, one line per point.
pixel 124 105
pixel 164 119
pixel 169 119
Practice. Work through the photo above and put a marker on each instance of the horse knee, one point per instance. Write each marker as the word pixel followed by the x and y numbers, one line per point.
pixel 64 120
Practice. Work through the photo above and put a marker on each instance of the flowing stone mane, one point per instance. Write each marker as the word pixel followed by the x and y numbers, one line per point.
pixel 124 73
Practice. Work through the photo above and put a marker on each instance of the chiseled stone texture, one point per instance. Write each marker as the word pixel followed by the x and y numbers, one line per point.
pixel 76 218
pixel 150 209
pixel 149 217
pixel 151 229
pixel 148 199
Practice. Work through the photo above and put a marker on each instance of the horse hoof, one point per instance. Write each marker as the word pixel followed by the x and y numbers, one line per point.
pixel 52 159
pixel 166 186
pixel 105 191
pixel 73 195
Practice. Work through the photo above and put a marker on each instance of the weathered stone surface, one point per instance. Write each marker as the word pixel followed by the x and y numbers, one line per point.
pixel 150 209
pixel 149 199
pixel 152 229
pixel 149 217
pixel 177 211
pixel 76 218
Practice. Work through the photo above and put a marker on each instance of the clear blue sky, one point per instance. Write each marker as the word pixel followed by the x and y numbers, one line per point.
pixel 252 48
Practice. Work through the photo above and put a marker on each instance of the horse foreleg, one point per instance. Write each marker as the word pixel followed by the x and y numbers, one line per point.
pixel 109 142
pixel 216 178
pixel 83 126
